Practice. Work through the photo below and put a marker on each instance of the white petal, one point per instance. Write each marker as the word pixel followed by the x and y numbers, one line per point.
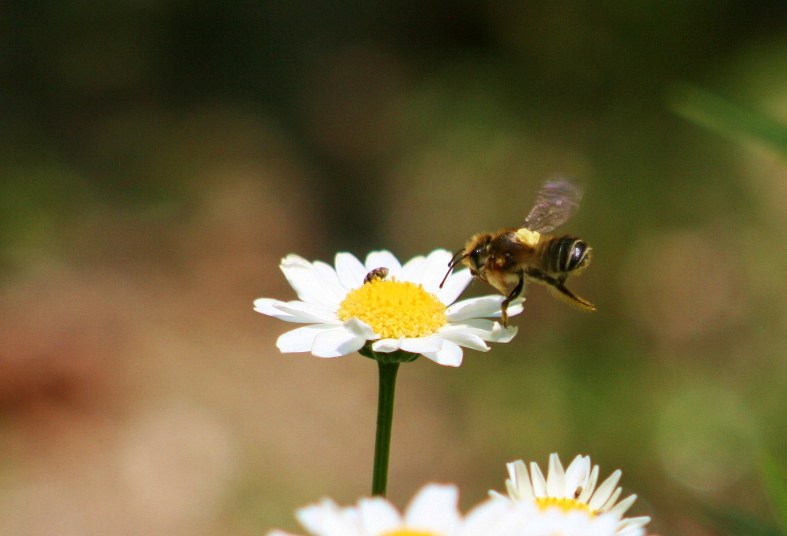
pixel 326 519
pixel 591 485
pixel 633 522
pixel 292 260
pixel 301 339
pixel 412 269
pixel 630 531
pixel 336 342
pixel 484 306
pixel 349 270
pixel 329 281
pixel 474 308
pixel 268 306
pixel 611 501
pixel 450 354
pixel 433 270
pixel 605 490
pixel 465 338
pixel 601 524
pixel 577 475
pixel 556 478
pixel 378 516
pixel 454 286
pixel 362 329
pixel 620 508
pixel 538 481
pixel 518 485
pixel 304 279
pixel 477 326
pixel 387 345
pixel 416 345
pixel 383 259
pixel 420 345
pixel 307 313
pixel 434 508
pixel 501 334
pixel 494 516
pixel 515 307
pixel 487 330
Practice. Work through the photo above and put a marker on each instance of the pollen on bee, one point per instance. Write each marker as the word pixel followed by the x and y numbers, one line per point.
pixel 528 237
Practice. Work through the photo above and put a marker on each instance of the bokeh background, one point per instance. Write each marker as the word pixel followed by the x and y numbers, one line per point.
pixel 157 159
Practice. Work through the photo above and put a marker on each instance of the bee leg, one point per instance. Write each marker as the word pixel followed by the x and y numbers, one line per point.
pixel 579 302
pixel 557 284
pixel 511 296
pixel 540 276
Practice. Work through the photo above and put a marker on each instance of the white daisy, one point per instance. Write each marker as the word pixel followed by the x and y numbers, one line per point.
pixel 403 309
pixel 570 497
pixel 533 520
pixel 432 512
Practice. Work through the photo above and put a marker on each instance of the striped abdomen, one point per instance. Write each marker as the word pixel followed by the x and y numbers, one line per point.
pixel 565 254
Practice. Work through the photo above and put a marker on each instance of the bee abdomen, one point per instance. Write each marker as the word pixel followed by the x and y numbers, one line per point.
pixel 567 254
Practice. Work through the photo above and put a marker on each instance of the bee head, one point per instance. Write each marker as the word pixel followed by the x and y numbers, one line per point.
pixel 473 255
pixel 476 253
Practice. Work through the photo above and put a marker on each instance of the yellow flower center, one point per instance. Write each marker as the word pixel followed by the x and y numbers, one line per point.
pixel 394 309
pixel 408 532
pixel 567 505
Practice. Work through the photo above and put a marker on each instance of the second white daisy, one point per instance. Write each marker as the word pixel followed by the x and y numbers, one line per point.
pixel 344 310
pixel 572 492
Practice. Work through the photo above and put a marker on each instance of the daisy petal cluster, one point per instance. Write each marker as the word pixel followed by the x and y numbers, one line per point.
pixel 385 306
pixel 569 498
pixel 552 506
pixel 432 512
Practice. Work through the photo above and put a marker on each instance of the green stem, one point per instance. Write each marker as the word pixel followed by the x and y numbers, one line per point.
pixel 382 443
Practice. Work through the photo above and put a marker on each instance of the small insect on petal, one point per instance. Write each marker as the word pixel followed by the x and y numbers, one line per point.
pixel 377 273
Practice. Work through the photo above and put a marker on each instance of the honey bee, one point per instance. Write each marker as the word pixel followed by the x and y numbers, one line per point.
pixel 510 256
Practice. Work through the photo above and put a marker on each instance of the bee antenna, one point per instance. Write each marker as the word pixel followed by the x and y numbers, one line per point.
pixel 456 259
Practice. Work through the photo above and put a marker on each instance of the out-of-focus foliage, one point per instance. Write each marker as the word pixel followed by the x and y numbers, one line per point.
pixel 157 159
pixel 734 522
pixel 723 116
pixel 775 482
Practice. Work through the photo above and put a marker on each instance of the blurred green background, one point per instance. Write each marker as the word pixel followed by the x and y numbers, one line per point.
pixel 157 159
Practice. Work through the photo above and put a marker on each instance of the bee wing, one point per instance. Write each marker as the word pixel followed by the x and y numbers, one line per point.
pixel 556 202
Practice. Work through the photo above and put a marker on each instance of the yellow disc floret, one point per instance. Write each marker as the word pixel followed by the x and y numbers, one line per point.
pixel 394 309
pixel 565 504
pixel 408 532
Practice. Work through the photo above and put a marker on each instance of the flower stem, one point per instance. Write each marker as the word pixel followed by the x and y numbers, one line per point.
pixel 382 443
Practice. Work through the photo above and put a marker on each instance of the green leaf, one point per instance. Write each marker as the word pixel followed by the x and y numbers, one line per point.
pixel 727 117
pixel 775 483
